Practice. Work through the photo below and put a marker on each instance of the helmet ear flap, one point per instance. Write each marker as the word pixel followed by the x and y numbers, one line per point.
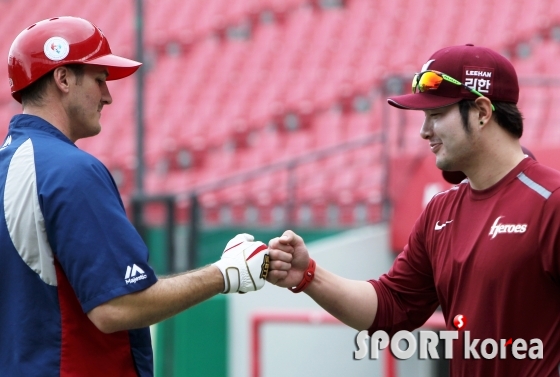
pixel 51 43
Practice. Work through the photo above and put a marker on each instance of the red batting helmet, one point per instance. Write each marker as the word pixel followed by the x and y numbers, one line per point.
pixel 58 41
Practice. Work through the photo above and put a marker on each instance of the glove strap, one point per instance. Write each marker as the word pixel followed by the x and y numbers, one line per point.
pixel 308 276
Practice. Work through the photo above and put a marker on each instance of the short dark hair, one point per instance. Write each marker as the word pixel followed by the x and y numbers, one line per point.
pixel 507 116
pixel 33 94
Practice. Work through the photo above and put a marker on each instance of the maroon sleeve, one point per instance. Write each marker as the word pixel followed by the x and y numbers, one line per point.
pixel 549 236
pixel 406 294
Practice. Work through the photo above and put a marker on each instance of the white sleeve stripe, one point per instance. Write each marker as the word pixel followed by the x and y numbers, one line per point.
pixel 534 186
pixel 24 218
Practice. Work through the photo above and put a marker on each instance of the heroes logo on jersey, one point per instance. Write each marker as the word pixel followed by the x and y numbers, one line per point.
pixel 498 228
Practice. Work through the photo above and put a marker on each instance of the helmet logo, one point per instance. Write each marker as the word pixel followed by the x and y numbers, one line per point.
pixel 56 48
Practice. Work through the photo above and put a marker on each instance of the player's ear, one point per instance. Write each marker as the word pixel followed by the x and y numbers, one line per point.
pixel 61 79
pixel 484 110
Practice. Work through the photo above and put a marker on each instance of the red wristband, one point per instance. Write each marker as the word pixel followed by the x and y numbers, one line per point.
pixel 308 276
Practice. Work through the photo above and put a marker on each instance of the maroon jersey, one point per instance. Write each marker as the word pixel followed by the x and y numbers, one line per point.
pixel 492 256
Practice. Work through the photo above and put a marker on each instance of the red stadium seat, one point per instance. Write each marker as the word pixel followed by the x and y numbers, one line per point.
pixel 227 101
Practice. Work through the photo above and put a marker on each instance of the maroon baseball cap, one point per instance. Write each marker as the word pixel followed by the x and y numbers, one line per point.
pixel 477 67
pixel 456 177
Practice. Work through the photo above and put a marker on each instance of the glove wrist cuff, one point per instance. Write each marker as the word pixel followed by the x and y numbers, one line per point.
pixel 308 276
pixel 223 267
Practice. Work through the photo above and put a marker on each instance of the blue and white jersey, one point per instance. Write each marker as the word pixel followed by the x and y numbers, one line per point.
pixel 66 246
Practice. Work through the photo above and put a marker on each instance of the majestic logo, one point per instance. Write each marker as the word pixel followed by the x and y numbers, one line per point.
pixel 441 226
pixel 56 48
pixel 131 272
pixel 479 78
pixel 498 228
pixel 7 142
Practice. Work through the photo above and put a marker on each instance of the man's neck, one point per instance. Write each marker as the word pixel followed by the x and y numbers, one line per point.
pixel 52 114
pixel 495 165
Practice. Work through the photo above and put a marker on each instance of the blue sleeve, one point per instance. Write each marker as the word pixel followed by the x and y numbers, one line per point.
pixel 100 251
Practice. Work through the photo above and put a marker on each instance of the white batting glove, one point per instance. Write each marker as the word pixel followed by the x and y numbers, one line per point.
pixel 244 264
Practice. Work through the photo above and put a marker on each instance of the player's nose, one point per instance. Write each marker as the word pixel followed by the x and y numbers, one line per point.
pixel 426 131
pixel 106 95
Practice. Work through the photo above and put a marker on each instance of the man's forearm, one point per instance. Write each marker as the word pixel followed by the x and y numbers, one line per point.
pixel 353 302
pixel 162 300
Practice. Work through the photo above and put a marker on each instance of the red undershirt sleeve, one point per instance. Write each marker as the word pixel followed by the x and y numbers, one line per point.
pixel 406 294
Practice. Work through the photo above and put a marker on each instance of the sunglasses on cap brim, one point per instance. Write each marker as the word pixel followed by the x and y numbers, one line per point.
pixel 431 80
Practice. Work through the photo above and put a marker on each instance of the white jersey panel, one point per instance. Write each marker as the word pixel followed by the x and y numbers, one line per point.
pixel 23 213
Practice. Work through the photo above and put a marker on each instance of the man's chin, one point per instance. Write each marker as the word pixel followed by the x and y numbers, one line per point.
pixel 91 132
pixel 444 165
pixel 95 130
pixel 440 164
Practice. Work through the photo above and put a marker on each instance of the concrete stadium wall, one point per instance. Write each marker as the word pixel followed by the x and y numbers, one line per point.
pixel 314 350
